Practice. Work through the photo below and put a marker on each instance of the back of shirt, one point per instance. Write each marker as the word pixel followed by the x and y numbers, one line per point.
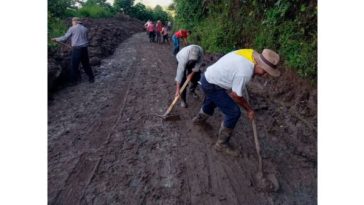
pixel 150 27
pixel 79 35
pixel 181 34
pixel 232 71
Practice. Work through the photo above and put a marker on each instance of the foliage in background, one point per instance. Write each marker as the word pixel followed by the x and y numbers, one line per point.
pixel 56 27
pixel 58 10
pixel 287 26
pixel 123 5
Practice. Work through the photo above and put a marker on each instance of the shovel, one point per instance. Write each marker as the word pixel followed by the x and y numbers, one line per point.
pixel 166 115
pixel 270 182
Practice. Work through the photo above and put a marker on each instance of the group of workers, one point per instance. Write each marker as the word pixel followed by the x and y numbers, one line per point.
pixel 158 32
pixel 223 83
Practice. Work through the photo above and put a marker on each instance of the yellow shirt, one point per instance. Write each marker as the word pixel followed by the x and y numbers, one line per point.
pixel 246 53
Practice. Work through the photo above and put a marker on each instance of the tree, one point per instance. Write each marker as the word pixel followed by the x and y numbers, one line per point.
pixel 57 8
pixel 141 12
pixel 159 14
pixel 124 5
pixel 172 7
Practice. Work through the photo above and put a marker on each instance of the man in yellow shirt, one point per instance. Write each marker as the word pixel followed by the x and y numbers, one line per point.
pixel 232 72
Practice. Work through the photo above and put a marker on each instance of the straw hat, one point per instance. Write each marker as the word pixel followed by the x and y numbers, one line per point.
pixel 268 61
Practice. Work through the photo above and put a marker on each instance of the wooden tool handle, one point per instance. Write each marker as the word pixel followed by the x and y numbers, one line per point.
pixel 180 92
pixel 257 146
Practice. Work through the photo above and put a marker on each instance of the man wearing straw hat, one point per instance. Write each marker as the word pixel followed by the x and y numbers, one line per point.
pixel 232 72
pixel 79 42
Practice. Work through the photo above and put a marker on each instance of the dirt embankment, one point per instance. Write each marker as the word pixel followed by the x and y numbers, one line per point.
pixel 104 36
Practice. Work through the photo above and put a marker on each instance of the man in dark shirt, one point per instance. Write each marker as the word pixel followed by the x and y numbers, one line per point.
pixel 78 34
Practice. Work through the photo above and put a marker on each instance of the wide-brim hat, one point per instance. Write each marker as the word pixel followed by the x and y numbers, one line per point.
pixel 268 60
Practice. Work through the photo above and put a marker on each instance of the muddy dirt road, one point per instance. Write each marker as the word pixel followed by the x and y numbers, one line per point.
pixel 104 147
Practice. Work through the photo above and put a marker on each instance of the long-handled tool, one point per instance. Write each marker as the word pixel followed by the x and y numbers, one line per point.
pixel 166 115
pixel 63 44
pixel 270 182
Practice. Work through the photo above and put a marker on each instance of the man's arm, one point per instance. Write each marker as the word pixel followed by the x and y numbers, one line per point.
pixel 185 42
pixel 65 37
pixel 243 103
pixel 178 87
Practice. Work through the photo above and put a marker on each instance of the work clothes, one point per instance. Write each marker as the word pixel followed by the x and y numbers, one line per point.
pixel 189 60
pixel 188 53
pixel 78 34
pixel 216 96
pixel 79 53
pixel 231 72
pixel 175 39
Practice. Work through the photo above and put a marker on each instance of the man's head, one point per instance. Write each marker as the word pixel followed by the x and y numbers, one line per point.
pixel 266 62
pixel 75 20
pixel 189 32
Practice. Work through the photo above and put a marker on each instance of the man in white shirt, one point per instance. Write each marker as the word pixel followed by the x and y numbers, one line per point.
pixel 232 72
pixel 189 60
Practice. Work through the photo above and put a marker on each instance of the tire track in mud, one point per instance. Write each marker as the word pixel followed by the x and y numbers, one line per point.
pixel 110 149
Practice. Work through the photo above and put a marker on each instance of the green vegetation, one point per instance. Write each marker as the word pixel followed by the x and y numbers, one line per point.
pixel 287 26
pixel 59 10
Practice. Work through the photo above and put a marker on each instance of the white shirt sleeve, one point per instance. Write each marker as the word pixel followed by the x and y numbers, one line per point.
pixel 239 83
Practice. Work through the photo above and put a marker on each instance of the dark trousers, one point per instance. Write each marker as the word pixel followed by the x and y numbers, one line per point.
pixel 175 41
pixel 151 36
pixel 165 38
pixel 194 80
pixel 80 55
pixel 215 96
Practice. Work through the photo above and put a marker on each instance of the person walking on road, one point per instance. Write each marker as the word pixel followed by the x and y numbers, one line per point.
pixel 178 35
pixel 151 32
pixel 159 31
pixel 232 72
pixel 79 41
pixel 189 60
pixel 146 27
pixel 165 34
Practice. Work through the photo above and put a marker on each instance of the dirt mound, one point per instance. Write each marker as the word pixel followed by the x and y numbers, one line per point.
pixel 104 36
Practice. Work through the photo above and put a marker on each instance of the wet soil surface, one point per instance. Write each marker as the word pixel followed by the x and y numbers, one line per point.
pixel 105 146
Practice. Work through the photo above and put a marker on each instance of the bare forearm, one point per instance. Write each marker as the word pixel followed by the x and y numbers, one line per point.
pixel 241 101
pixel 177 87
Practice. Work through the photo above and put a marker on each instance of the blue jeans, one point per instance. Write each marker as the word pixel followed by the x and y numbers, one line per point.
pixel 175 41
pixel 216 96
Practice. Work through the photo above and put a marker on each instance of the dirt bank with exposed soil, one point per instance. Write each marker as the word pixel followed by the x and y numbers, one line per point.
pixel 104 36
pixel 105 147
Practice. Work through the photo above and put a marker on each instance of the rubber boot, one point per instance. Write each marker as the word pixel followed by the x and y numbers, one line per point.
pixel 222 144
pixel 200 118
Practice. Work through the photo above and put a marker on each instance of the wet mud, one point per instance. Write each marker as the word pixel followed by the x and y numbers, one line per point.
pixel 105 146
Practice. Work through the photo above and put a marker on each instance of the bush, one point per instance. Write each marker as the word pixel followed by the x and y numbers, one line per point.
pixel 287 26
pixel 56 28
pixel 95 11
